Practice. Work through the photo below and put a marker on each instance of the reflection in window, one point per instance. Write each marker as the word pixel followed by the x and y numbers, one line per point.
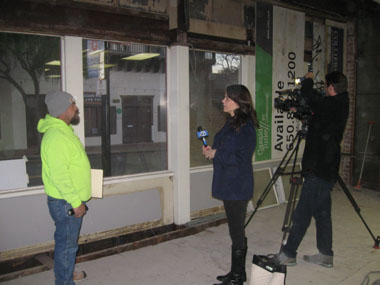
pixel 134 77
pixel 210 73
pixel 29 67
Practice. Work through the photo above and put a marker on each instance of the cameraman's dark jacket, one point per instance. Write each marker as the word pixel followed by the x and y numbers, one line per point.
pixel 322 150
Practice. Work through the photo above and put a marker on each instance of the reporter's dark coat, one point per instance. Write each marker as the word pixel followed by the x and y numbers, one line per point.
pixel 233 173
pixel 322 149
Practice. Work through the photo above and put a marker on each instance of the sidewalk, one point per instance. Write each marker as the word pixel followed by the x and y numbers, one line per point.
pixel 198 259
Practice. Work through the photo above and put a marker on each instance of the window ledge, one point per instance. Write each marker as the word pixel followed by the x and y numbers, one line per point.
pixel 37 190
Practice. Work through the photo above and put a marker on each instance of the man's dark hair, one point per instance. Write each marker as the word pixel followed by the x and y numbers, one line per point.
pixel 338 81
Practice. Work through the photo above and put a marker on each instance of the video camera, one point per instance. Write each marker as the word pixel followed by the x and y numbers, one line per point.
pixel 292 98
pixel 288 99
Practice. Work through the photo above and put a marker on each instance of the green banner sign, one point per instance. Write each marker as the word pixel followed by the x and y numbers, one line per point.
pixel 264 50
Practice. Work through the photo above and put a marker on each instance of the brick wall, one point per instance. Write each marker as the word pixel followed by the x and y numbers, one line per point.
pixel 348 138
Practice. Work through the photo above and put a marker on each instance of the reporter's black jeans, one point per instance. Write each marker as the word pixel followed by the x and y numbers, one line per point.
pixel 315 201
pixel 236 211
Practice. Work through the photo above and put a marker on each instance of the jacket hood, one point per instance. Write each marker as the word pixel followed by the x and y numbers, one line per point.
pixel 49 122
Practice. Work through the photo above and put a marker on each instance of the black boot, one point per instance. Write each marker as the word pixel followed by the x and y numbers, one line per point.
pixel 237 276
pixel 225 277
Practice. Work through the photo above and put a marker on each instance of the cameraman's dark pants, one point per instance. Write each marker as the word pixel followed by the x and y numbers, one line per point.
pixel 236 211
pixel 315 201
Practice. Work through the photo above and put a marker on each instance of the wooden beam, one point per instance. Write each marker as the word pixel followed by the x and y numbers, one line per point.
pixel 180 233
pixel 110 24
pixel 24 272
pixel 45 18
pixel 203 42
pixel 45 260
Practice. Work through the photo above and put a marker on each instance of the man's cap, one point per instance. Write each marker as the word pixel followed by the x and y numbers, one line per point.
pixel 57 102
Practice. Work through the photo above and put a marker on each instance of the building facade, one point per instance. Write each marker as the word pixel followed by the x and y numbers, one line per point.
pixel 146 75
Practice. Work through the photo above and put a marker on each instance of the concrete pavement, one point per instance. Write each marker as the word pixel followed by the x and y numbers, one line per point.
pixel 198 259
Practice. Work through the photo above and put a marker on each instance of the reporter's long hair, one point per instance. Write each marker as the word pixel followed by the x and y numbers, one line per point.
pixel 246 111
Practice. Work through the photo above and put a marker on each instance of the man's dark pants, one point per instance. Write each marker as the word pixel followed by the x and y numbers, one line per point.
pixel 315 201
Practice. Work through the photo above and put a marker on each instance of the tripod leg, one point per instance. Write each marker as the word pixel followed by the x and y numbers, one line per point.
pixel 263 196
pixel 357 209
pixel 277 174
pixel 292 201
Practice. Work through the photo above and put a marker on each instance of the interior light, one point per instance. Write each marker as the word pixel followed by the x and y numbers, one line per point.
pixel 54 62
pixel 96 66
pixel 95 52
pixel 141 56
pixel 54 76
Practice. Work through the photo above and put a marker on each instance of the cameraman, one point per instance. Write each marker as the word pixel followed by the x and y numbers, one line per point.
pixel 320 166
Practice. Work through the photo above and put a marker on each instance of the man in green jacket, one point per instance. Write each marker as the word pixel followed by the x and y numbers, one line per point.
pixel 66 174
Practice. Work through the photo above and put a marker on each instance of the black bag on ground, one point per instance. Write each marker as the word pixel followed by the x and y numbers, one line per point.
pixel 267 270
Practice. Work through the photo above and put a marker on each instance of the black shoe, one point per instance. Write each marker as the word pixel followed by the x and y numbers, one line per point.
pixel 79 276
pixel 237 275
pixel 286 260
pixel 223 277
pixel 226 277
pixel 233 279
pixel 320 259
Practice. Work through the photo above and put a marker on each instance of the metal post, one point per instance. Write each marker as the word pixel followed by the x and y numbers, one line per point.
pixel 106 126
pixel 358 186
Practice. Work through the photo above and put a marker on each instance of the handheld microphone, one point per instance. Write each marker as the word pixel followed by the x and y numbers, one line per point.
pixel 202 134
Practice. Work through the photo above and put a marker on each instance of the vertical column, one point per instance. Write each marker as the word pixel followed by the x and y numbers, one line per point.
pixel 72 75
pixel 248 67
pixel 178 134
pixel 351 69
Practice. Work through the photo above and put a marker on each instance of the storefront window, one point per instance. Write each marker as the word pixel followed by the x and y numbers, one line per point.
pixel 133 76
pixel 210 73
pixel 29 67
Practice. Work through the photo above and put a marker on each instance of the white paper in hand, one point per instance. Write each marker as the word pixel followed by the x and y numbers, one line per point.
pixel 97 183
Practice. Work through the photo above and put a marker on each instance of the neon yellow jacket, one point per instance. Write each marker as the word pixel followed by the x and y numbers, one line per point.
pixel 66 171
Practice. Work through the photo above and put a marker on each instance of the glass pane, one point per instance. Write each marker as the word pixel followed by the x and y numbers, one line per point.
pixel 29 67
pixel 210 73
pixel 133 76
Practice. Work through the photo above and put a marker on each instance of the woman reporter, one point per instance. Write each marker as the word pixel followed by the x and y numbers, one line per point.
pixel 232 183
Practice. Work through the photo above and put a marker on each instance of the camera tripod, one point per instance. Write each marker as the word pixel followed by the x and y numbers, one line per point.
pixel 295 182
